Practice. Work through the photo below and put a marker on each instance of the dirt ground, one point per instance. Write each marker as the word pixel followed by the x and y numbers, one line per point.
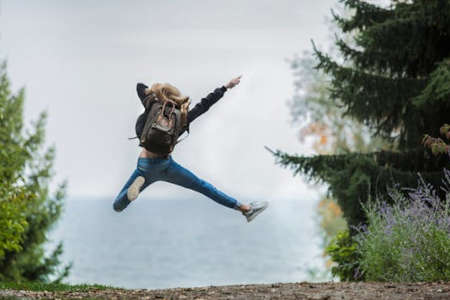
pixel 284 291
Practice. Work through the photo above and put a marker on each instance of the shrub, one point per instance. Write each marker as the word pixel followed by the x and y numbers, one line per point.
pixel 28 209
pixel 408 240
pixel 343 251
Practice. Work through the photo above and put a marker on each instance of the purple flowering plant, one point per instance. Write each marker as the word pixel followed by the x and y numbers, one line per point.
pixel 408 240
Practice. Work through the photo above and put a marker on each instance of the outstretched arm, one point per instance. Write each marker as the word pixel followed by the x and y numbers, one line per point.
pixel 208 101
pixel 205 103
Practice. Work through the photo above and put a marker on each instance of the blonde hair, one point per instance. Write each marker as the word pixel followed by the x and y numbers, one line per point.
pixel 166 91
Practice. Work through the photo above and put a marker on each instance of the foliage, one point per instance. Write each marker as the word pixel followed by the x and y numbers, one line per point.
pixel 321 117
pixel 12 200
pixel 331 220
pixel 12 221
pixel 437 145
pixel 323 122
pixel 343 251
pixel 27 210
pixel 391 78
pixel 356 178
pixel 438 87
pixel 410 239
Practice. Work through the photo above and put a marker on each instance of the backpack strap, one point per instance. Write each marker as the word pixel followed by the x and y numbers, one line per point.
pixel 149 99
pixel 173 103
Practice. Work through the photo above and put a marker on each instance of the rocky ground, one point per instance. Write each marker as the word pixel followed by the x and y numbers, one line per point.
pixel 285 291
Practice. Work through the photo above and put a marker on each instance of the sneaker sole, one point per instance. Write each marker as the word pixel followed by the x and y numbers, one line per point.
pixel 134 189
pixel 249 219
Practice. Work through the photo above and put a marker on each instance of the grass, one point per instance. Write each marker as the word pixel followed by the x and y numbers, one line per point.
pixel 53 287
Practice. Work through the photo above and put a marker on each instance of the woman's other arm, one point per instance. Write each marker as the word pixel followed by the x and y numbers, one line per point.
pixel 142 91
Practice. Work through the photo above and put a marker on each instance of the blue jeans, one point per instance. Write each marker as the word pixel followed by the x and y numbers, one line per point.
pixel 166 169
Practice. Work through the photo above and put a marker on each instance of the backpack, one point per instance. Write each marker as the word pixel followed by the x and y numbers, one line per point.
pixel 163 125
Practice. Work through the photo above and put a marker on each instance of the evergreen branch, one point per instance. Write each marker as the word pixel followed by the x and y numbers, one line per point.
pixel 366 14
pixel 378 101
pixel 26 207
pixel 438 87
pixel 392 33
pixel 378 61
pixel 355 174
pixel 407 52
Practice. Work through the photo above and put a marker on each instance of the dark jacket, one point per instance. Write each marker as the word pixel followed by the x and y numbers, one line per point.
pixel 195 112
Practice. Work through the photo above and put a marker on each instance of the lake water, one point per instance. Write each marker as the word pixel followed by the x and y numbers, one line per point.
pixel 186 242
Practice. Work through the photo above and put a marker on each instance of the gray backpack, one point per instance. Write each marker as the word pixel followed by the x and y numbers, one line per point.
pixel 162 126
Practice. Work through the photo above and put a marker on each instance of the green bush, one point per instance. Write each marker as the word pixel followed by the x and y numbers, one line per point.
pixel 27 208
pixel 408 240
pixel 12 220
pixel 343 251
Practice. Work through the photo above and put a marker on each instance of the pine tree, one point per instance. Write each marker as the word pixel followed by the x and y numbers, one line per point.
pixel 394 81
pixel 322 120
pixel 27 210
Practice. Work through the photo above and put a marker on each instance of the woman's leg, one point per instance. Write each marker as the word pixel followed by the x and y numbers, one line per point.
pixel 179 175
pixel 122 200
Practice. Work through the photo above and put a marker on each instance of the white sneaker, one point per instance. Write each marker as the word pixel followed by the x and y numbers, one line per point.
pixel 255 209
pixel 135 187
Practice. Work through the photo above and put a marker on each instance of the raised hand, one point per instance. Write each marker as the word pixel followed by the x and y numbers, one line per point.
pixel 233 82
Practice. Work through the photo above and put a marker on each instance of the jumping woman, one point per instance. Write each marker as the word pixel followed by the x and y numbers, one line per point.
pixel 166 117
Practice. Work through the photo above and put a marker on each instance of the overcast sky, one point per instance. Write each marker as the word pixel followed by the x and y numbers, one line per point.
pixel 81 60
